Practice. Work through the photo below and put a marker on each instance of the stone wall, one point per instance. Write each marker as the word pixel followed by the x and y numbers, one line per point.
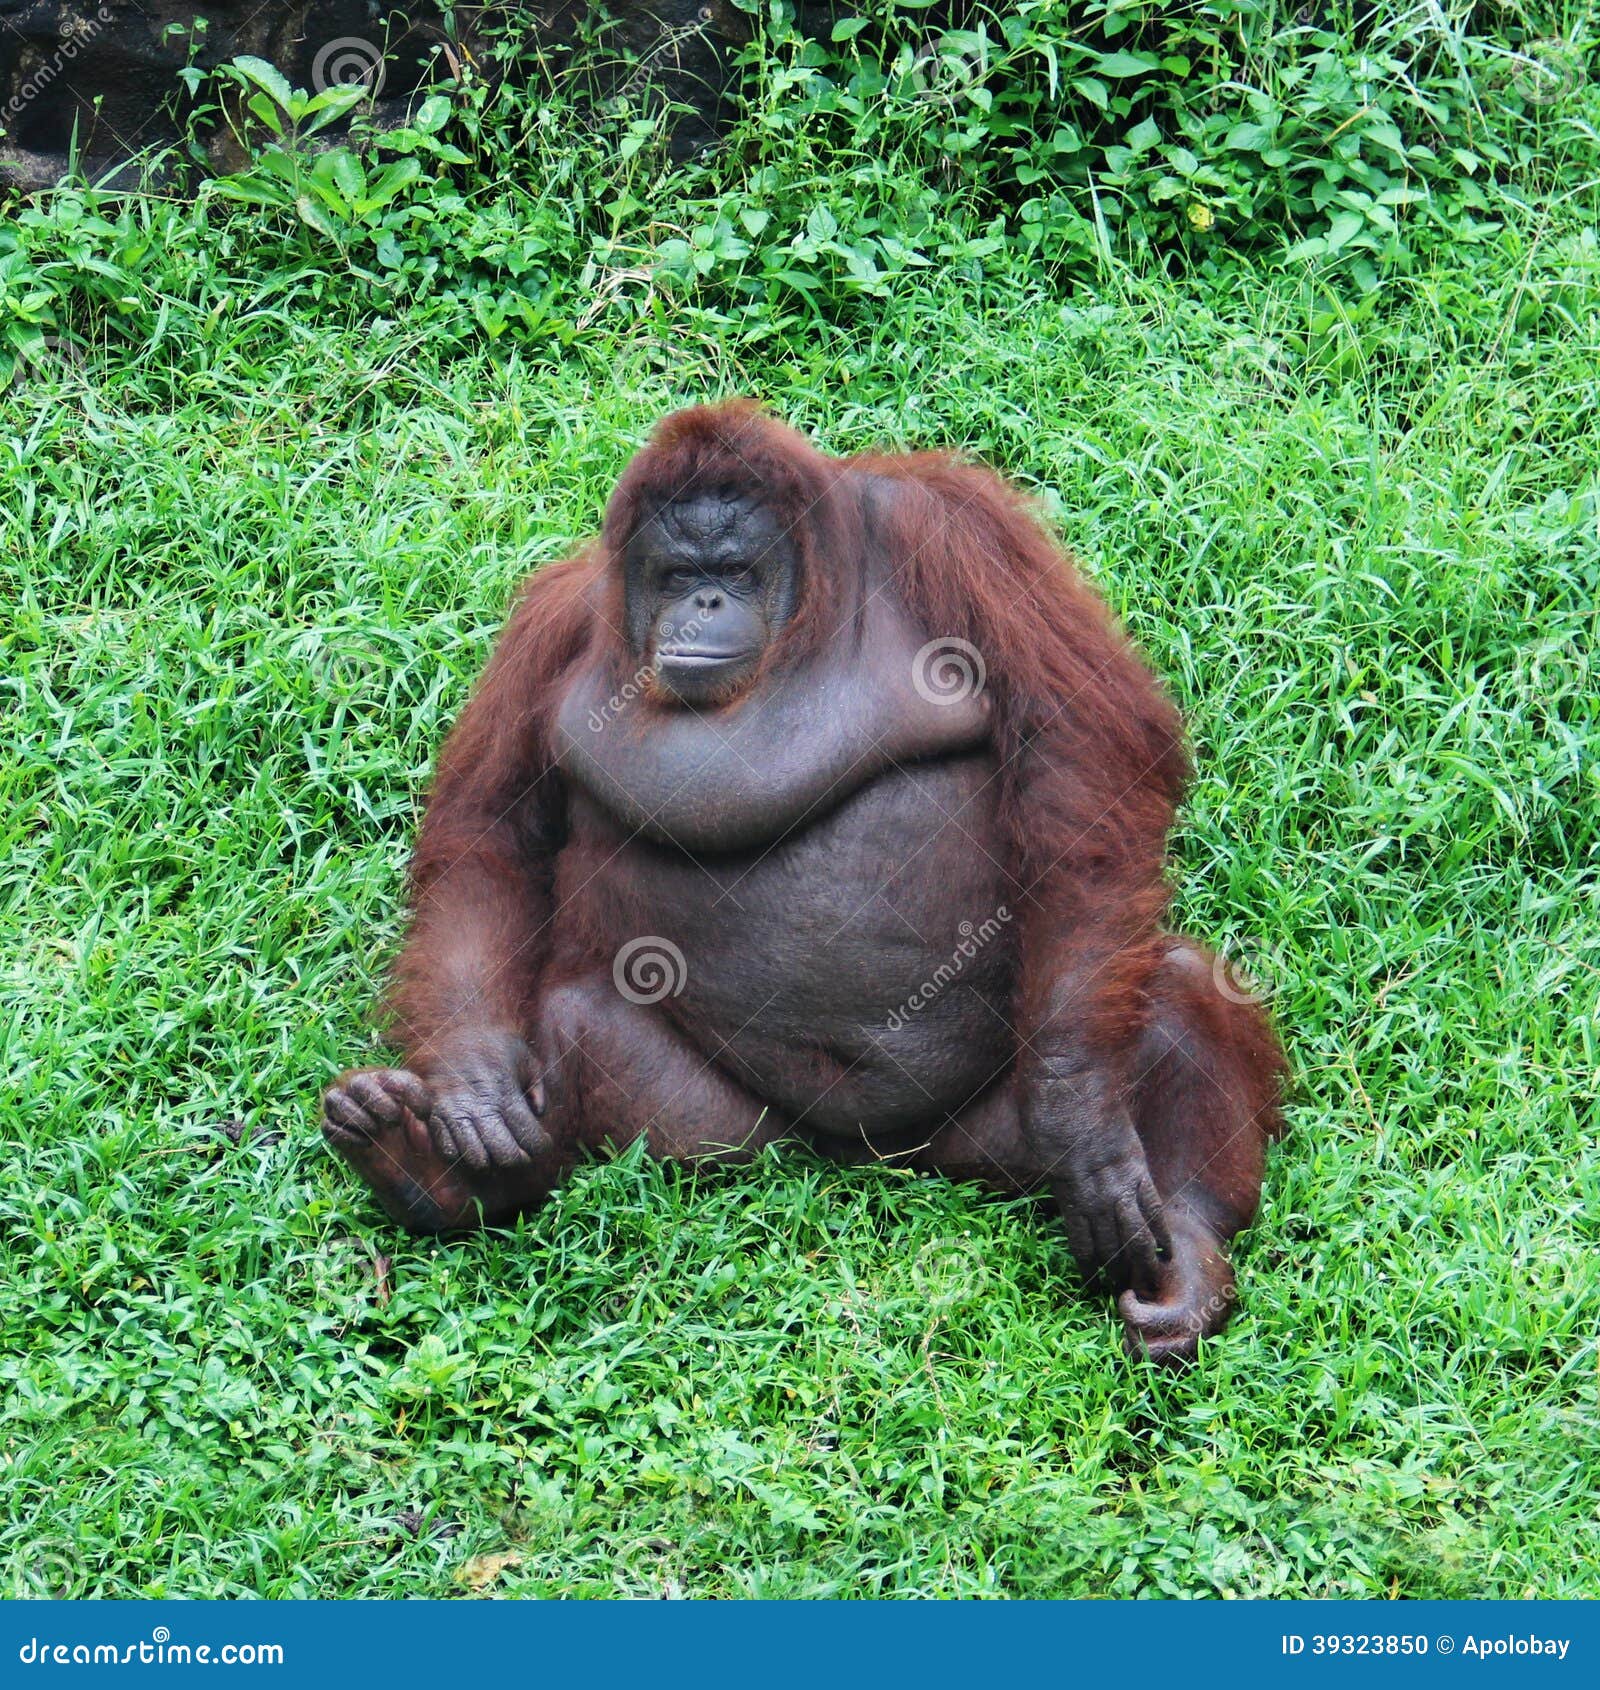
pixel 101 77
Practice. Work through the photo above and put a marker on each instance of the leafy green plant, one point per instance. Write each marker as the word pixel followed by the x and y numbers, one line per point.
pixel 331 190
pixel 1070 139
pixel 1111 126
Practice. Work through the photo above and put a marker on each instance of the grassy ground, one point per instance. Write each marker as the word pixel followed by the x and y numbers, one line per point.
pixel 251 579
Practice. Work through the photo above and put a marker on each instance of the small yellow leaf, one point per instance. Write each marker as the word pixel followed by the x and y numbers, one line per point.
pixel 482 1570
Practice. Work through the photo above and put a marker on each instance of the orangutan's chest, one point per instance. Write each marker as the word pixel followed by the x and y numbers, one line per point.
pixel 879 939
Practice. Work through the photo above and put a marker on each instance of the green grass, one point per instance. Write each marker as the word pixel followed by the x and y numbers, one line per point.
pixel 251 575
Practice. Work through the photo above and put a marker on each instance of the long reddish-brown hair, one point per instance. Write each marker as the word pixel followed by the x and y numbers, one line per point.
pixel 1090 752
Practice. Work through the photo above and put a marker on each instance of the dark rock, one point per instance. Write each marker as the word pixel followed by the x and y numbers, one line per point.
pixel 98 80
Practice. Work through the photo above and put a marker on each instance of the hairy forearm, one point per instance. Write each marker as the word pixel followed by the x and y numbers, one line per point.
pixel 1081 1023
pixel 466 969
pixel 1084 992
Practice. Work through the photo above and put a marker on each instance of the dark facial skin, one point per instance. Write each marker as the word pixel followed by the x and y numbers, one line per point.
pixel 709 582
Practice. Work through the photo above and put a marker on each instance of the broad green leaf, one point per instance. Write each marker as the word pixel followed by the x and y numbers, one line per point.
pixel 389 182
pixel 266 77
pixel 1126 64
pixel 348 173
pixel 1345 226
pixel 821 225
pixel 267 111
pixel 432 114
pixel 315 217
